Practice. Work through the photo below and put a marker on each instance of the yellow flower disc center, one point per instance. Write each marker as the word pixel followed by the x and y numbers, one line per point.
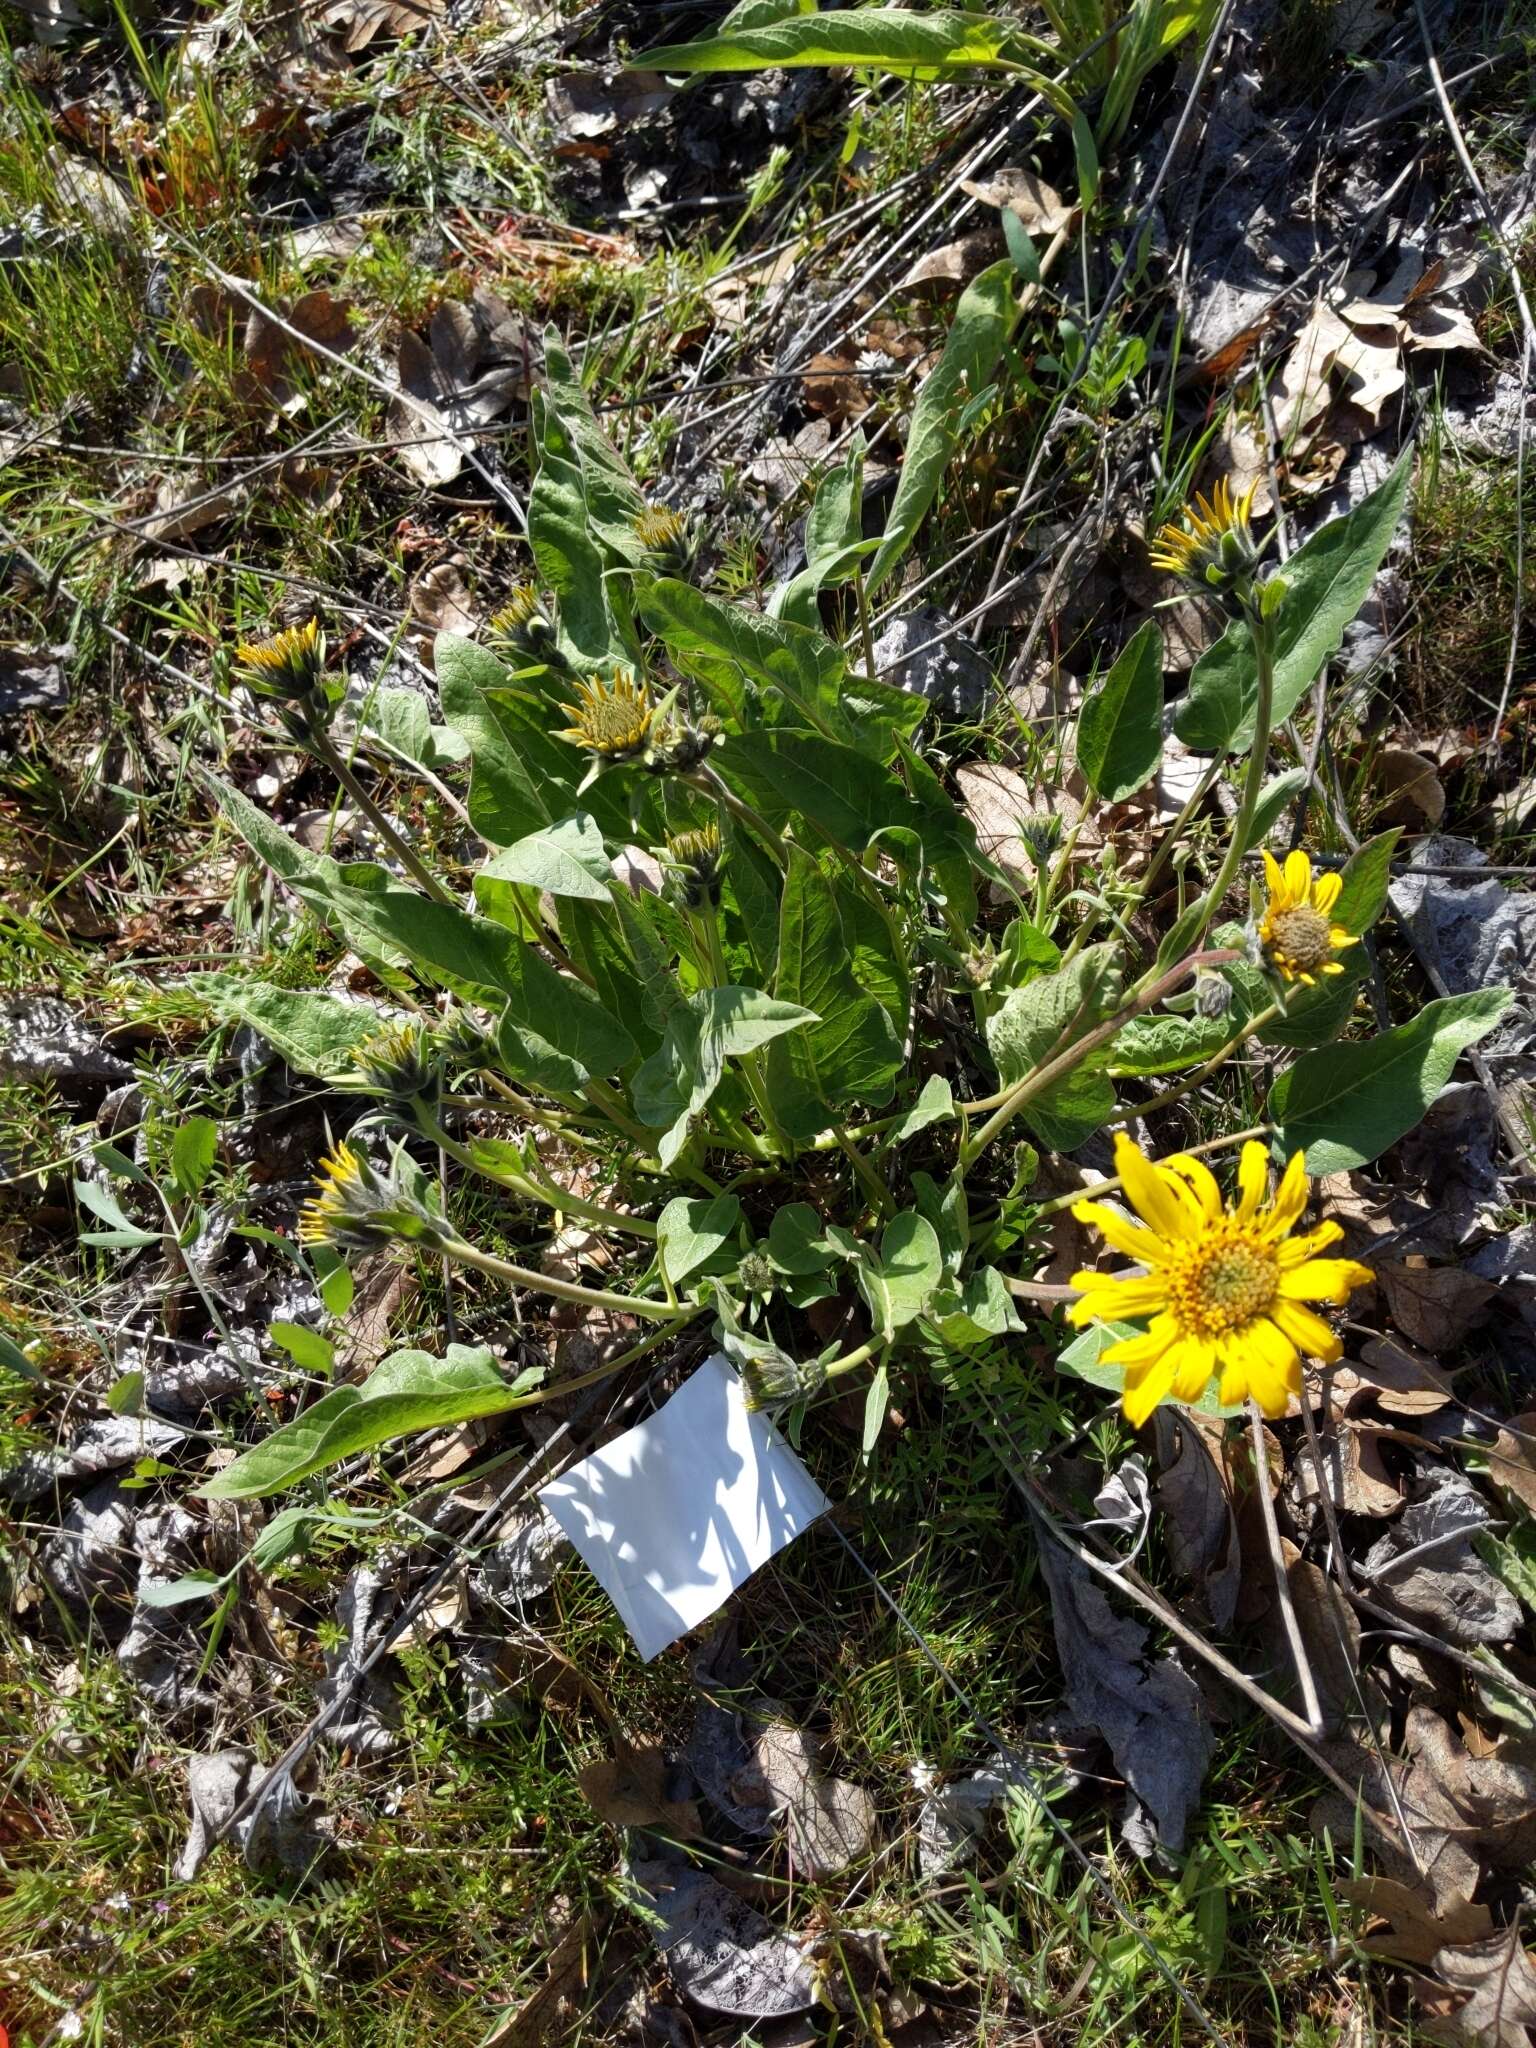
pixel 1302 936
pixel 1223 1280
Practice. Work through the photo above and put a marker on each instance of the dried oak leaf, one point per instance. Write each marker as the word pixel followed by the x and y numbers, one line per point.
pixel 1038 207
pixel 1417 1928
pixel 1500 1983
pixel 1358 1481
pixel 1197 1513
pixel 1330 1633
pixel 1434 1306
pixel 633 1789
pixel 1511 1459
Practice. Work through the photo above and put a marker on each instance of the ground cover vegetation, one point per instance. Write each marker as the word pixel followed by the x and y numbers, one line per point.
pixel 849 687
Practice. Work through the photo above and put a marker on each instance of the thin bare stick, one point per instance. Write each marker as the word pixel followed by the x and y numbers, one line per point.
pixel 1303 1669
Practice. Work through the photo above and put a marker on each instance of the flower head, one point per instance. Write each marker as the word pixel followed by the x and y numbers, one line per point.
pixel 286 667
pixel 611 720
pixel 1297 933
pixel 400 1061
pixel 695 859
pixel 1211 543
pixel 358 1207
pixel 664 533
pixel 524 625
pixel 1223 1290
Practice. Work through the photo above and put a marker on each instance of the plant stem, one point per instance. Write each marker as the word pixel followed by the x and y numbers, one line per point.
pixel 866 1175
pixel 1309 1699
pixel 705 778
pixel 866 630
pixel 1242 825
pixel 536 1190
pixel 324 748
pixel 1059 1064
pixel 1176 1094
pixel 563 1290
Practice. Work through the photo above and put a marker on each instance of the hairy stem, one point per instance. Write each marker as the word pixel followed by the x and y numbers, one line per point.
pixel 562 1290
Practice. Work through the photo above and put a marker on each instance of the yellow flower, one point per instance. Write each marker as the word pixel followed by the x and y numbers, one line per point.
pixel 612 720
pixel 1297 933
pixel 1225 1289
pixel 661 531
pixel 1214 536
pixel 342 1208
pixel 287 665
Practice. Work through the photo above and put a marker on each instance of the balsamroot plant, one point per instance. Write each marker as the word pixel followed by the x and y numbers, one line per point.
pixel 810 1059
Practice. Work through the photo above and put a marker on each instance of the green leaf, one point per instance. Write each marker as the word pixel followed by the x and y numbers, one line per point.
pixel 1119 729
pixel 1162 1045
pixel 194 1148
pixel 910 1267
pixel 720 644
pixel 307 1348
pixel 410 1392
pixel 797 1240
pixel 315 1034
pixel 568 859
pixel 877 1400
pixel 852 1054
pixel 946 1209
pixel 401 718
pixel 334 1279
pixel 1044 1017
pixel 845 793
pixel 1327 579
pixel 103 1203
pixel 677 1081
pixel 889 39
pixel 935 1105
pixel 1273 799
pixel 201 1585
pixel 1346 1105
pixel 554 1032
pixel 976 1312
pixel 505 798
pixel 614 500
pixel 690 1230
pixel 126 1396
pixel 570 562
pixel 834 539
pixel 983 321
pixel 1367 875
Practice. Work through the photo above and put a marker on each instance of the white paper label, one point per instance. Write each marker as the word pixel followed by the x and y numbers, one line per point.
pixel 679 1511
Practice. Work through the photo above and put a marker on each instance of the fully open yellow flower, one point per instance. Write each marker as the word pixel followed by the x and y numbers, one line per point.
pixel 1298 934
pixel 1225 1289
pixel 1214 533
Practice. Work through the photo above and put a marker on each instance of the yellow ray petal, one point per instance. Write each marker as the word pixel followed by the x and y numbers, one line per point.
pixel 1118 1301
pixel 1326 891
pixel 1133 1239
pixel 1201 1180
pixel 1150 1194
pixel 1290 1198
pixel 1332 1280
pixel 1142 1395
pixel 1298 876
pixel 1295 1251
pixel 1309 1333
pixel 1252 1178
pixel 1194 1363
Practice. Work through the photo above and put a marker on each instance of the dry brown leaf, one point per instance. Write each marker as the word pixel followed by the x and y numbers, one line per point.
pixel 273 355
pixel 354 24
pixel 998 799
pixel 1397 1378
pixel 752 294
pixel 1197 1509
pixel 477 359
pixel 552 2014
pixel 1500 1982
pixel 1358 1482
pixel 954 263
pixel 440 600
pixel 1511 1459
pixel 632 1790
pixel 1408 790
pixel 1439 326
pixel 1417 1928
pixel 184 505
pixel 1039 207
pixel 828 1821
pixel 1433 1306
pixel 1330 1633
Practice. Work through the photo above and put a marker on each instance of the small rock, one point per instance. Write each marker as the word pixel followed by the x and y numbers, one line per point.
pixel 954 677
